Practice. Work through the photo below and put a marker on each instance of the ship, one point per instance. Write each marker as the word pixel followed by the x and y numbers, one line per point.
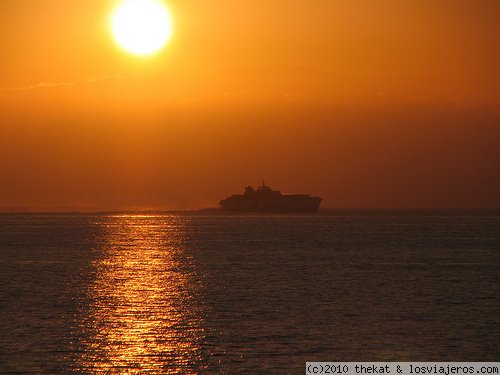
pixel 264 199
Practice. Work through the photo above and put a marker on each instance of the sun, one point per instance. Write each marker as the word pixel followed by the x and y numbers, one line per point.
pixel 141 27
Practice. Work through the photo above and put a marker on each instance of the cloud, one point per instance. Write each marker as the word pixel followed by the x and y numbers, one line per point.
pixel 40 85
pixel 48 85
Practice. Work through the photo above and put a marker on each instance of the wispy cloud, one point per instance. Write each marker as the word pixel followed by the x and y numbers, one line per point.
pixel 40 85
pixel 48 85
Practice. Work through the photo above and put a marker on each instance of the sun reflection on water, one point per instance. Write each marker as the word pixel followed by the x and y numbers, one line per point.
pixel 141 316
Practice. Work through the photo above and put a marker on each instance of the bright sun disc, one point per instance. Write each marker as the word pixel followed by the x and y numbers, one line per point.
pixel 141 26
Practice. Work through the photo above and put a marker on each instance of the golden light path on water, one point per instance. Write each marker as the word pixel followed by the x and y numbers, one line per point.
pixel 140 317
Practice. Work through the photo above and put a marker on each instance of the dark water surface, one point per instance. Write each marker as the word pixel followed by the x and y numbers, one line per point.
pixel 245 294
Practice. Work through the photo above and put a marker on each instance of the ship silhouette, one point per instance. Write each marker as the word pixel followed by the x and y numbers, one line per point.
pixel 264 199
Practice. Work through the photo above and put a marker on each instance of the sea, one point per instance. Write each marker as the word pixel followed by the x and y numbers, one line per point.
pixel 206 293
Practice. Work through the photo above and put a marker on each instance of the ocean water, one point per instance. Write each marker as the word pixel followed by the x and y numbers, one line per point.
pixel 226 294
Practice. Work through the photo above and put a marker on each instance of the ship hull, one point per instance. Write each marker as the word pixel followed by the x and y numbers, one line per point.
pixel 283 203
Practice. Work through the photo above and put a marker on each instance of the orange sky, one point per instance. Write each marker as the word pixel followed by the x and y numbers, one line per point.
pixel 371 103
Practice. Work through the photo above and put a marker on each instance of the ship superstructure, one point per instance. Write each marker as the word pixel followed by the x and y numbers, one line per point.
pixel 264 199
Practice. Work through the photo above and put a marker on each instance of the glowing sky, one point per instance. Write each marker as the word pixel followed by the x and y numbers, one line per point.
pixel 371 103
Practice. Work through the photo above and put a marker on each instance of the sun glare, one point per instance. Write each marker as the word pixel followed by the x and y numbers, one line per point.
pixel 141 27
